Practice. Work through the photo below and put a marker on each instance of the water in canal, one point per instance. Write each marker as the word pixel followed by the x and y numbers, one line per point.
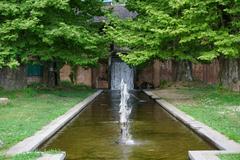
pixel 94 134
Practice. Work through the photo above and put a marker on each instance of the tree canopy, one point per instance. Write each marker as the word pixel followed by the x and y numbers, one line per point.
pixel 64 30
pixel 59 30
pixel 192 30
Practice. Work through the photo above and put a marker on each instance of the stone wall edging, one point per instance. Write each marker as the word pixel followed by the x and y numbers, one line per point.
pixel 223 143
pixel 33 142
pixel 207 155
pixel 49 156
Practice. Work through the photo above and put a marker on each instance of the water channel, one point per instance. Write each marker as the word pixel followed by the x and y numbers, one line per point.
pixel 94 134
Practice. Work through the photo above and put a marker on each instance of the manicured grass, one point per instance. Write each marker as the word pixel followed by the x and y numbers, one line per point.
pixel 30 109
pixel 230 157
pixel 218 108
pixel 24 156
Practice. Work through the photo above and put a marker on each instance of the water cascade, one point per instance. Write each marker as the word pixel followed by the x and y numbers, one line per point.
pixel 125 111
pixel 121 71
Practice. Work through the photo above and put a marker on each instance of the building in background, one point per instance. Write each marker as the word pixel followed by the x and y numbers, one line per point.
pixel 107 2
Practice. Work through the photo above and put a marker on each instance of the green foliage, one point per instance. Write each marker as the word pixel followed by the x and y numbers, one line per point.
pixel 68 84
pixel 60 30
pixel 164 84
pixel 192 30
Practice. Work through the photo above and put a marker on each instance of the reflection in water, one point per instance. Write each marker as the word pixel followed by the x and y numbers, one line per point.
pixel 157 136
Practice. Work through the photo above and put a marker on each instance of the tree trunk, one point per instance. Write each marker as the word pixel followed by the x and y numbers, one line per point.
pixel 182 71
pixel 53 77
pixel 230 73
pixel 51 74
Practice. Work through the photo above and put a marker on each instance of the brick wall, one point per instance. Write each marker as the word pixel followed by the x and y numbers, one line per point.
pixel 13 78
pixel 158 71
pixel 84 76
pixel 153 74
pixel 208 73
pixel 65 73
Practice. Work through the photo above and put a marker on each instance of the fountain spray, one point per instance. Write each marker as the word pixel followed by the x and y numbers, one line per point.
pixel 125 111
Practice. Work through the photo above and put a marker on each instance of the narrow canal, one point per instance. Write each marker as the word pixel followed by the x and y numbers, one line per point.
pixel 94 133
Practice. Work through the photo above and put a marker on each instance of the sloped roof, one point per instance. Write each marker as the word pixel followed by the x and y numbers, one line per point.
pixel 119 10
pixel 122 12
pixel 107 1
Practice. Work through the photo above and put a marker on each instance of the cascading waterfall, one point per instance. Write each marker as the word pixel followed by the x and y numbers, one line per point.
pixel 121 71
pixel 125 111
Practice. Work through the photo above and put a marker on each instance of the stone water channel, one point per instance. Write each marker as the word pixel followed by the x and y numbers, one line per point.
pixel 95 132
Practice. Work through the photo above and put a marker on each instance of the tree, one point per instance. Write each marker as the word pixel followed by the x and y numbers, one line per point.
pixel 184 31
pixel 152 35
pixel 51 31
pixel 214 26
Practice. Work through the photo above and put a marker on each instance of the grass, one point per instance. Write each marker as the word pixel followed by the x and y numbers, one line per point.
pixel 218 108
pixel 24 156
pixel 29 155
pixel 230 157
pixel 32 108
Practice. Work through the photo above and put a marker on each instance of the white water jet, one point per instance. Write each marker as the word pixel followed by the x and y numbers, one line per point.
pixel 125 111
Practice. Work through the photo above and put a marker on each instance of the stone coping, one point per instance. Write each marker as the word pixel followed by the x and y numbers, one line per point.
pixel 223 143
pixel 207 155
pixel 33 142
pixel 49 156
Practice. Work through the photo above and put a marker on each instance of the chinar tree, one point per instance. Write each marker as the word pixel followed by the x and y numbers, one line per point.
pixel 184 31
pixel 52 32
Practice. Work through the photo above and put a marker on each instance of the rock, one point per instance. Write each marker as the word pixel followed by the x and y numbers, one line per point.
pixel 4 101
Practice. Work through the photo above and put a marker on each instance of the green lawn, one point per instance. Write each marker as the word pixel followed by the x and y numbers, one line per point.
pixel 24 156
pixel 230 157
pixel 30 109
pixel 218 108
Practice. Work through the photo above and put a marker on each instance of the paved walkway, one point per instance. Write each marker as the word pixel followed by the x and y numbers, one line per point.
pixel 173 96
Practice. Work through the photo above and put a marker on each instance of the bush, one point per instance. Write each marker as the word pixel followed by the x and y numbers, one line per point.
pixel 68 84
